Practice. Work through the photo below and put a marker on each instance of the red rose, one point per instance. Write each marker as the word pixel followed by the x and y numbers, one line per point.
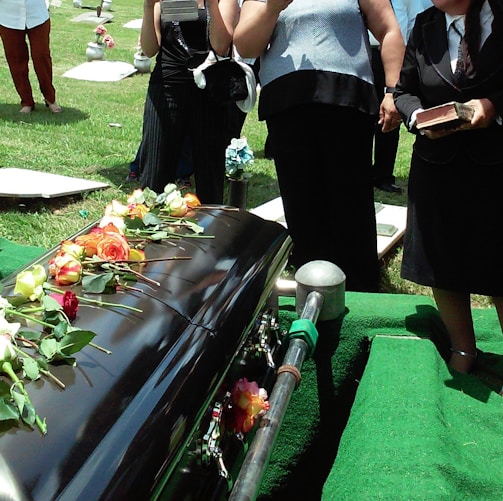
pixel 69 302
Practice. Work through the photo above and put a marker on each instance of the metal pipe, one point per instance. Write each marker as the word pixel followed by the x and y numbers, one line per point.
pixel 257 458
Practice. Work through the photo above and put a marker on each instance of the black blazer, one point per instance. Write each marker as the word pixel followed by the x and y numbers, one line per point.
pixel 426 80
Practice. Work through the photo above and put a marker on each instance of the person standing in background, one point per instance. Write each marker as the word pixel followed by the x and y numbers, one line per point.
pixel 452 241
pixel 318 100
pixel 386 143
pixel 20 19
pixel 175 108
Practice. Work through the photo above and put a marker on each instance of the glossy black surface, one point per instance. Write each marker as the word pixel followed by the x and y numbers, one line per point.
pixel 124 418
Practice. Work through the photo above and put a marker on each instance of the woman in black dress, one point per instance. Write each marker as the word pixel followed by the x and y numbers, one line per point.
pixel 175 108
pixel 453 242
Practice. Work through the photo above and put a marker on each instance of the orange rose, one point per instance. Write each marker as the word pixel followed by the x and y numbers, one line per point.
pixel 191 200
pixel 110 228
pixel 113 247
pixel 89 242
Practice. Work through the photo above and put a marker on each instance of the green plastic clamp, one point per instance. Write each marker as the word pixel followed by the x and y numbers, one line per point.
pixel 304 329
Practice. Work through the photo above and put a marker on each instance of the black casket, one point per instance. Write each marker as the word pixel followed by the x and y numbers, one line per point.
pixel 143 422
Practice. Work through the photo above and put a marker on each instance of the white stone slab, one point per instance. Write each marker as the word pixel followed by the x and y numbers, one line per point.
pixel 25 183
pixel 101 71
pixel 92 17
pixel 388 214
pixel 134 23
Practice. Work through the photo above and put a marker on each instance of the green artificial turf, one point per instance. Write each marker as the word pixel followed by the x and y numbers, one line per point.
pixel 14 256
pixel 378 415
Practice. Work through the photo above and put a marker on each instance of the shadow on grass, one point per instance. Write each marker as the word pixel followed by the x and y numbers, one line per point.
pixel 40 115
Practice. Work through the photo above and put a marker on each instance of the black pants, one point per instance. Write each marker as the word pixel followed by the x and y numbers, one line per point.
pixel 326 187
pixel 385 143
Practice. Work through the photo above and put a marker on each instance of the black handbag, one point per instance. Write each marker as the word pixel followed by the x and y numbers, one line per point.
pixel 225 81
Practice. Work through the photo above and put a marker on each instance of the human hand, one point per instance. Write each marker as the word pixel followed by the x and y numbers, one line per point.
pixel 389 117
pixel 484 114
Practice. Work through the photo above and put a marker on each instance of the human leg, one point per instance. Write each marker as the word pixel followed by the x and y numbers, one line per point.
pixel 209 136
pixel 39 38
pixel 17 56
pixel 498 303
pixel 385 143
pixel 333 220
pixel 134 167
pixel 385 150
pixel 162 136
pixel 185 167
pixel 455 312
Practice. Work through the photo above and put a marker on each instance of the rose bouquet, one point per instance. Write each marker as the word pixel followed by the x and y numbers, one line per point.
pixel 103 38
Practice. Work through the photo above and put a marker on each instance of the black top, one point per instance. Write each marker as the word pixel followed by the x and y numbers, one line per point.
pixel 184 45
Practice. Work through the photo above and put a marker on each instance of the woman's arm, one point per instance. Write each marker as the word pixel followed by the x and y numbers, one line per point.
pixel 383 24
pixel 150 35
pixel 224 15
pixel 256 24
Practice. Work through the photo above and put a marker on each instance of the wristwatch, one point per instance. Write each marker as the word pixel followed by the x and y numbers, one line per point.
pixel 389 90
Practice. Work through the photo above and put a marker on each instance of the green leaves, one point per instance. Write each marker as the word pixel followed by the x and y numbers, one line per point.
pixel 8 410
pixel 18 399
pixel 30 368
pixel 61 350
pixel 97 284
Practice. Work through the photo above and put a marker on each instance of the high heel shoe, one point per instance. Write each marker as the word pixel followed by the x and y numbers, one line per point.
pixel 26 109
pixel 54 107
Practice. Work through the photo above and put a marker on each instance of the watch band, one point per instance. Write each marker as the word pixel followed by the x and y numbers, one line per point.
pixel 389 90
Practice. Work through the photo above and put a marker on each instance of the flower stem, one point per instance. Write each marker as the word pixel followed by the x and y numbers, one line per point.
pixel 7 368
pixel 100 348
pixel 95 301
pixel 17 313
pixel 43 371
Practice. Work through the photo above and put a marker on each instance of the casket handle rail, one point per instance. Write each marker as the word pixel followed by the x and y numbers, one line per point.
pixel 211 440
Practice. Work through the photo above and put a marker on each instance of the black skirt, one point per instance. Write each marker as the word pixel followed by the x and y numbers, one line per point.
pixel 454 234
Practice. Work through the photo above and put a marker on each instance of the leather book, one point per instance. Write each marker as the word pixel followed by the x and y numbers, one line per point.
pixel 444 116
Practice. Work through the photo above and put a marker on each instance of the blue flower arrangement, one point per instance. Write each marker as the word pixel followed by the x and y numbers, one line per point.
pixel 238 156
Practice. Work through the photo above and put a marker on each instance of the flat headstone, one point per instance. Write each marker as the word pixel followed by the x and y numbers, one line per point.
pixel 25 183
pixel 390 219
pixel 91 17
pixel 101 71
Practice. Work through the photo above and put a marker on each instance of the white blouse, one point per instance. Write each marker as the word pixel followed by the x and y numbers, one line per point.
pixel 23 14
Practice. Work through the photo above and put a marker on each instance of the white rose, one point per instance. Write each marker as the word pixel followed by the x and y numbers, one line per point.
pixel 7 352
